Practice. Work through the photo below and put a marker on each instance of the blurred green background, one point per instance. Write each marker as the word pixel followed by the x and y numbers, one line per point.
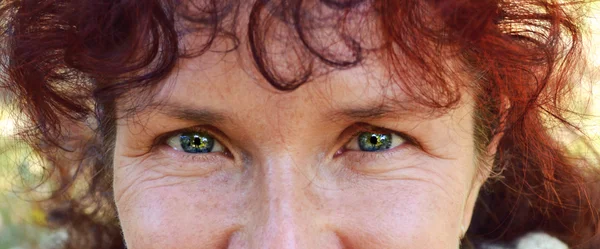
pixel 22 221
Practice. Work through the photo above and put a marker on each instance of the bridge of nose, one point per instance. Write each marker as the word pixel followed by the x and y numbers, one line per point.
pixel 286 206
pixel 287 198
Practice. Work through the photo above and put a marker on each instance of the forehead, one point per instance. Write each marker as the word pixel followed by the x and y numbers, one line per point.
pixel 226 91
pixel 340 52
pixel 225 82
pixel 344 67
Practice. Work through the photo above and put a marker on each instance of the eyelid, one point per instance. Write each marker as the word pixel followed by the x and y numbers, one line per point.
pixel 358 128
pixel 410 140
pixel 161 140
pixel 175 142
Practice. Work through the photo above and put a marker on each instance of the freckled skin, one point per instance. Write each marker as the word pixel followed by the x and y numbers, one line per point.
pixel 284 185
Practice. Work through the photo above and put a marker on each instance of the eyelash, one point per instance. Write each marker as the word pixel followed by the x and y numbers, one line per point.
pixel 356 129
pixel 161 144
pixel 359 128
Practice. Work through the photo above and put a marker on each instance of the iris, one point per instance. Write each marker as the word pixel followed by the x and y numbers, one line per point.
pixel 368 141
pixel 195 142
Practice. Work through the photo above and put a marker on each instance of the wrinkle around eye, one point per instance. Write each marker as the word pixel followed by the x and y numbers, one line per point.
pixel 161 162
pixel 153 174
pixel 139 136
pixel 384 162
pixel 151 181
pixel 419 172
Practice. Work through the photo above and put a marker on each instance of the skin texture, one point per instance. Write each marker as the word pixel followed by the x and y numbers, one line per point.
pixel 286 180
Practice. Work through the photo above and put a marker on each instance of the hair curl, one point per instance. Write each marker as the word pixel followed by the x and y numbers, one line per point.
pixel 68 61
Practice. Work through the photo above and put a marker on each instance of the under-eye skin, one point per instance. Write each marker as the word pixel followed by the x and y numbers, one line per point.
pixel 369 148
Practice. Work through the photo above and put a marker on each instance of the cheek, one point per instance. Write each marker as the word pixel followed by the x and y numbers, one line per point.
pixel 404 214
pixel 417 207
pixel 171 212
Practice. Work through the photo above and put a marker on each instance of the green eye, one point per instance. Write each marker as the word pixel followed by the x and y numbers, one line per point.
pixel 372 142
pixel 195 142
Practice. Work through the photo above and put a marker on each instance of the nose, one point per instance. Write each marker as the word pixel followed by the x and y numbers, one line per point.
pixel 287 209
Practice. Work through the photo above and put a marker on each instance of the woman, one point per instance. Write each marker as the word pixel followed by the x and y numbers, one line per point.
pixel 303 124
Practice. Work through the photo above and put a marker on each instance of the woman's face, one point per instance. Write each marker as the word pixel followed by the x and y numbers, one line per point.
pixel 225 161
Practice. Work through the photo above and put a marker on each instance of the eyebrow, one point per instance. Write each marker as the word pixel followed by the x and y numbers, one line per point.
pixel 198 115
pixel 369 112
pixel 204 115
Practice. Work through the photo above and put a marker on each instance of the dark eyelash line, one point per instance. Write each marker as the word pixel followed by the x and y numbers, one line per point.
pixel 160 145
pixel 162 139
pixel 357 128
pixel 364 127
pixel 365 154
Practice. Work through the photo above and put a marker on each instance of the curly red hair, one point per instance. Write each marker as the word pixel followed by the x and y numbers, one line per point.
pixel 68 61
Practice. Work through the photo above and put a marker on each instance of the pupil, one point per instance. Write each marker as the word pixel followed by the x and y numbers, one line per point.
pixel 373 139
pixel 194 142
pixel 368 141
